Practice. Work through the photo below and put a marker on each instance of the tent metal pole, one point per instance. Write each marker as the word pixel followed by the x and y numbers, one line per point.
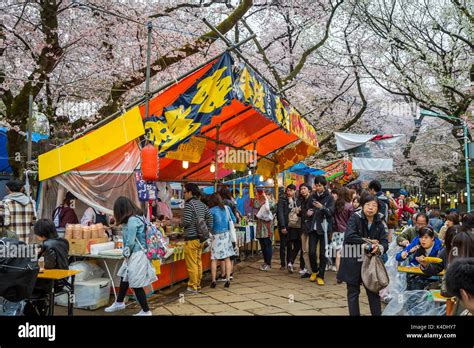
pixel 30 126
pixel 149 27
pixel 216 164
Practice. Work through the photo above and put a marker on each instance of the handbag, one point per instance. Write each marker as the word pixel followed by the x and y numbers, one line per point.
pixel 374 274
pixel 233 235
pixel 264 212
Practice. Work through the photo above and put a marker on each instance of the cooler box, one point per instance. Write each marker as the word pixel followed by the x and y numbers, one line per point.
pixel 90 294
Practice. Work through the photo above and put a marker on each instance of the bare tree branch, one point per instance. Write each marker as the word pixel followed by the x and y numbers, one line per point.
pixel 116 94
pixel 313 48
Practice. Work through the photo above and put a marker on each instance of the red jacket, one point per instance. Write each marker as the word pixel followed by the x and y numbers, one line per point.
pixel 402 206
pixel 67 215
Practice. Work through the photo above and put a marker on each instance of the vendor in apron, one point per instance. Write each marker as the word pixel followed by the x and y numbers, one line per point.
pixel 92 216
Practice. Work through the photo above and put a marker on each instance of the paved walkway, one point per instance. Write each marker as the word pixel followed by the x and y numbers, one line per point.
pixel 252 292
pixel 275 292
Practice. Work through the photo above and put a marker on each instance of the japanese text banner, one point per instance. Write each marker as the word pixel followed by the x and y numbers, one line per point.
pixel 193 109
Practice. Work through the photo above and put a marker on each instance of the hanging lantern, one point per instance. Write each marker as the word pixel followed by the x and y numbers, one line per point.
pixel 213 167
pixel 262 178
pixel 185 164
pixel 149 163
pixel 348 166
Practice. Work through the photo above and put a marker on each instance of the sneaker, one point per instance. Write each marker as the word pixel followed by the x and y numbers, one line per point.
pixel 306 275
pixel 303 271
pixel 191 291
pixel 328 267
pixel 116 306
pixel 264 267
pixel 142 313
pixel 333 268
pixel 320 281
pixel 312 278
pixel 290 268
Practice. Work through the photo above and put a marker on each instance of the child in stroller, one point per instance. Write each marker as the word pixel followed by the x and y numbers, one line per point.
pixel 17 275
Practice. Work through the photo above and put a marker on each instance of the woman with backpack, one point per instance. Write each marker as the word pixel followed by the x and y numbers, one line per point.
pixel 221 247
pixel 137 271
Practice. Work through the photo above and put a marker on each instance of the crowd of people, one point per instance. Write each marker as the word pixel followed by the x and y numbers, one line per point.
pixel 316 225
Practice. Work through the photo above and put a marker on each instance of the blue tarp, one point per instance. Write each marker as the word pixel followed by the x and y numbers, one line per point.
pixel 303 169
pixel 4 164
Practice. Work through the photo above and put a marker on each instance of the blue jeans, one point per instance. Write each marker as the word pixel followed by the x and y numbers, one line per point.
pixel 266 246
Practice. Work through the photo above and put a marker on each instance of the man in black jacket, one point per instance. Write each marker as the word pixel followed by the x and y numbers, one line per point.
pixel 322 203
pixel 289 236
pixel 306 214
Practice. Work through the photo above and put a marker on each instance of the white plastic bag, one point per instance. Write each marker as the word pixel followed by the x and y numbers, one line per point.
pixel 88 270
pixel 414 303
pixel 264 212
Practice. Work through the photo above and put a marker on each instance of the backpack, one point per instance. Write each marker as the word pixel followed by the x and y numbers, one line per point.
pixel 156 244
pixel 294 221
pixel 201 227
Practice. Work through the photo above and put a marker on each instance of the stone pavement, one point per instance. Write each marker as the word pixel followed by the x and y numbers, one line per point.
pixel 252 292
pixel 276 292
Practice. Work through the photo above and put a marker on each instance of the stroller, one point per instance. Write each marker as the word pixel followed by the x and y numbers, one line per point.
pixel 18 275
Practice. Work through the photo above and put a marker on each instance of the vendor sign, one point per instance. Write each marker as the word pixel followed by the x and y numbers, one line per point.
pixel 293 178
pixel 266 168
pixel 147 191
pixel 190 151
pixel 302 128
pixel 293 154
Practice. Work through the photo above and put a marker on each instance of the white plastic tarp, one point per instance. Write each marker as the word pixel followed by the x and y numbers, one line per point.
pixel 372 164
pixel 347 141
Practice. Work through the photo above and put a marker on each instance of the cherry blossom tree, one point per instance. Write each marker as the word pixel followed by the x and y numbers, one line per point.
pixel 90 57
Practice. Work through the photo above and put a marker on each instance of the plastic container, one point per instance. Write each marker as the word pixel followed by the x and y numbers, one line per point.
pixel 87 232
pixel 100 229
pixel 69 231
pixel 94 231
pixel 77 232
pixel 89 294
